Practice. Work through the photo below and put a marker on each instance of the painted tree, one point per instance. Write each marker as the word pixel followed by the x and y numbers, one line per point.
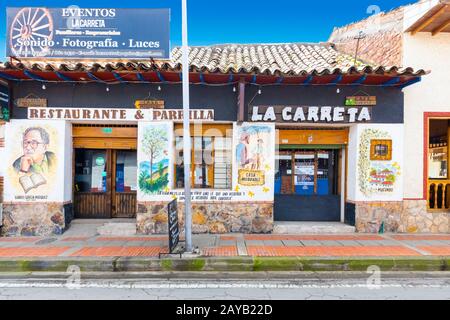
pixel 153 144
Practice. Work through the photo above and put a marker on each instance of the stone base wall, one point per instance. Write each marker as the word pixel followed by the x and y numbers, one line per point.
pixel 239 217
pixel 37 219
pixel 408 216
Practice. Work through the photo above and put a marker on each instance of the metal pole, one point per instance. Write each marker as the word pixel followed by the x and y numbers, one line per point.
pixel 186 132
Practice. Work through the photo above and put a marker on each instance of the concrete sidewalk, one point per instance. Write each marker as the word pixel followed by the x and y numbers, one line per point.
pixel 228 253
pixel 232 245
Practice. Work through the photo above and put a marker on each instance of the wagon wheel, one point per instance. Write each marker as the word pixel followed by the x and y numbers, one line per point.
pixel 31 24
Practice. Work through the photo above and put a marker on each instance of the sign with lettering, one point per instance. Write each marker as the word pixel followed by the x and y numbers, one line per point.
pixel 75 32
pixel 361 101
pixel 149 104
pixel 251 177
pixel 311 114
pixel 31 102
pixel 116 114
pixel 174 231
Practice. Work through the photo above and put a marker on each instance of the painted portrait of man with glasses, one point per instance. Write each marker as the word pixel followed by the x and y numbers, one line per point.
pixel 36 158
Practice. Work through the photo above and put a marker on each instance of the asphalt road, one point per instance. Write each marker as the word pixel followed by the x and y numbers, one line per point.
pixel 282 286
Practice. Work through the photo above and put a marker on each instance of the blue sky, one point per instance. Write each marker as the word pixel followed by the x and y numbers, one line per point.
pixel 237 21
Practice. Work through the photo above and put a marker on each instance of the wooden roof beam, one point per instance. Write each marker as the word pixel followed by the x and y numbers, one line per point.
pixel 441 27
pixel 428 21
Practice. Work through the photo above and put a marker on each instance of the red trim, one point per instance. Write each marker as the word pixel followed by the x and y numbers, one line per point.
pixel 426 120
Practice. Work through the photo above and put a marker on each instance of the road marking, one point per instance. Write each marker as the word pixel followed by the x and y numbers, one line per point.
pixel 211 286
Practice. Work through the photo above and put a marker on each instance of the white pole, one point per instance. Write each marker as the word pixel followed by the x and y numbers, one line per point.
pixel 186 132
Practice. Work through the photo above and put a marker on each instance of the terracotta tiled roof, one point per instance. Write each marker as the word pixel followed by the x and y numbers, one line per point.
pixel 382 38
pixel 289 59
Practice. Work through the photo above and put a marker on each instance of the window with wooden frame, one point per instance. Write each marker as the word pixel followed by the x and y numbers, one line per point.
pixel 211 156
pixel 381 149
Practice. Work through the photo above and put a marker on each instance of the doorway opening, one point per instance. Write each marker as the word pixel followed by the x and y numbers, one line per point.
pixel 438 179
pixel 307 185
pixel 104 171
pixel 105 183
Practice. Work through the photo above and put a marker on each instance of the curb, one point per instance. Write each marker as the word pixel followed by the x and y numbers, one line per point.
pixel 235 264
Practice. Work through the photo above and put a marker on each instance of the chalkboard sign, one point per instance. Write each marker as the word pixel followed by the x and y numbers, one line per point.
pixel 174 232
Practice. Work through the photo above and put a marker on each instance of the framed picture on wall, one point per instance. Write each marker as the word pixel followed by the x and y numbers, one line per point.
pixel 381 150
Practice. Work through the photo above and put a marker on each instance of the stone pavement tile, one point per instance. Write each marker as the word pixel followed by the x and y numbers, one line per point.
pixel 369 243
pixel 325 251
pixel 241 247
pixel 330 243
pixel 379 243
pixel 222 251
pixel 20 239
pixel 412 243
pixel 348 243
pixel 436 250
pixel 74 239
pixel 229 237
pixel 32 252
pixel 132 239
pixel 292 243
pixel 438 243
pixel 310 243
pixel 224 243
pixel 414 237
pixel 118 252
pixel 273 242
pixel 254 243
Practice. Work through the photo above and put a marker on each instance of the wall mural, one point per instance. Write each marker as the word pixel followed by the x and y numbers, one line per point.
pixel 154 157
pixel 375 177
pixel 34 151
pixel 253 156
pixel 254 160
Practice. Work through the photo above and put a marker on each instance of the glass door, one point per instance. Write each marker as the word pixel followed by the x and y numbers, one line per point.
pixel 283 173
pixel 92 183
pixel 305 173
pixel 125 183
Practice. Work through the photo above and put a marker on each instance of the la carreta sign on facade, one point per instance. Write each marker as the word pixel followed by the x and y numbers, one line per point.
pixel 75 32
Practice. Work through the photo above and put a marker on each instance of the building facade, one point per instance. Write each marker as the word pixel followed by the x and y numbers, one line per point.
pixel 291 132
pixel 414 35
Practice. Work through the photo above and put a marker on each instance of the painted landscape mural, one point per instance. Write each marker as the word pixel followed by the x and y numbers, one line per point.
pixel 154 161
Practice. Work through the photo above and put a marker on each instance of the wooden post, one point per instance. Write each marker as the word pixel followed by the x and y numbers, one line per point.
pixel 241 101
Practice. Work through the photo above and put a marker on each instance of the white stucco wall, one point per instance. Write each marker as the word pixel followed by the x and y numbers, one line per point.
pixel 359 139
pixel 432 94
pixel 68 159
pixel 352 162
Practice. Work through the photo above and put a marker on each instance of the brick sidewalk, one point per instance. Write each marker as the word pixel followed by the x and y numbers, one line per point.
pixel 349 245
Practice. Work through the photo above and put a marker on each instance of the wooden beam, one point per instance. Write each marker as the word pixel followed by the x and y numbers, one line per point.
pixel 429 20
pixel 241 100
pixel 441 27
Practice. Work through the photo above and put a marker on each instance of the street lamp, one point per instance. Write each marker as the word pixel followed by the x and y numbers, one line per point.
pixel 186 130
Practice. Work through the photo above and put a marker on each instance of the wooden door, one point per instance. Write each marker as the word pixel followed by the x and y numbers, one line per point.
pixel 105 183
pixel 92 183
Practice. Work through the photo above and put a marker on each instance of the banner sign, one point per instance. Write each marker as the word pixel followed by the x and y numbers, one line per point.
pixel 75 32
pixel 174 232
pixel 311 114
pixel 115 114
pixel 31 102
pixel 361 101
